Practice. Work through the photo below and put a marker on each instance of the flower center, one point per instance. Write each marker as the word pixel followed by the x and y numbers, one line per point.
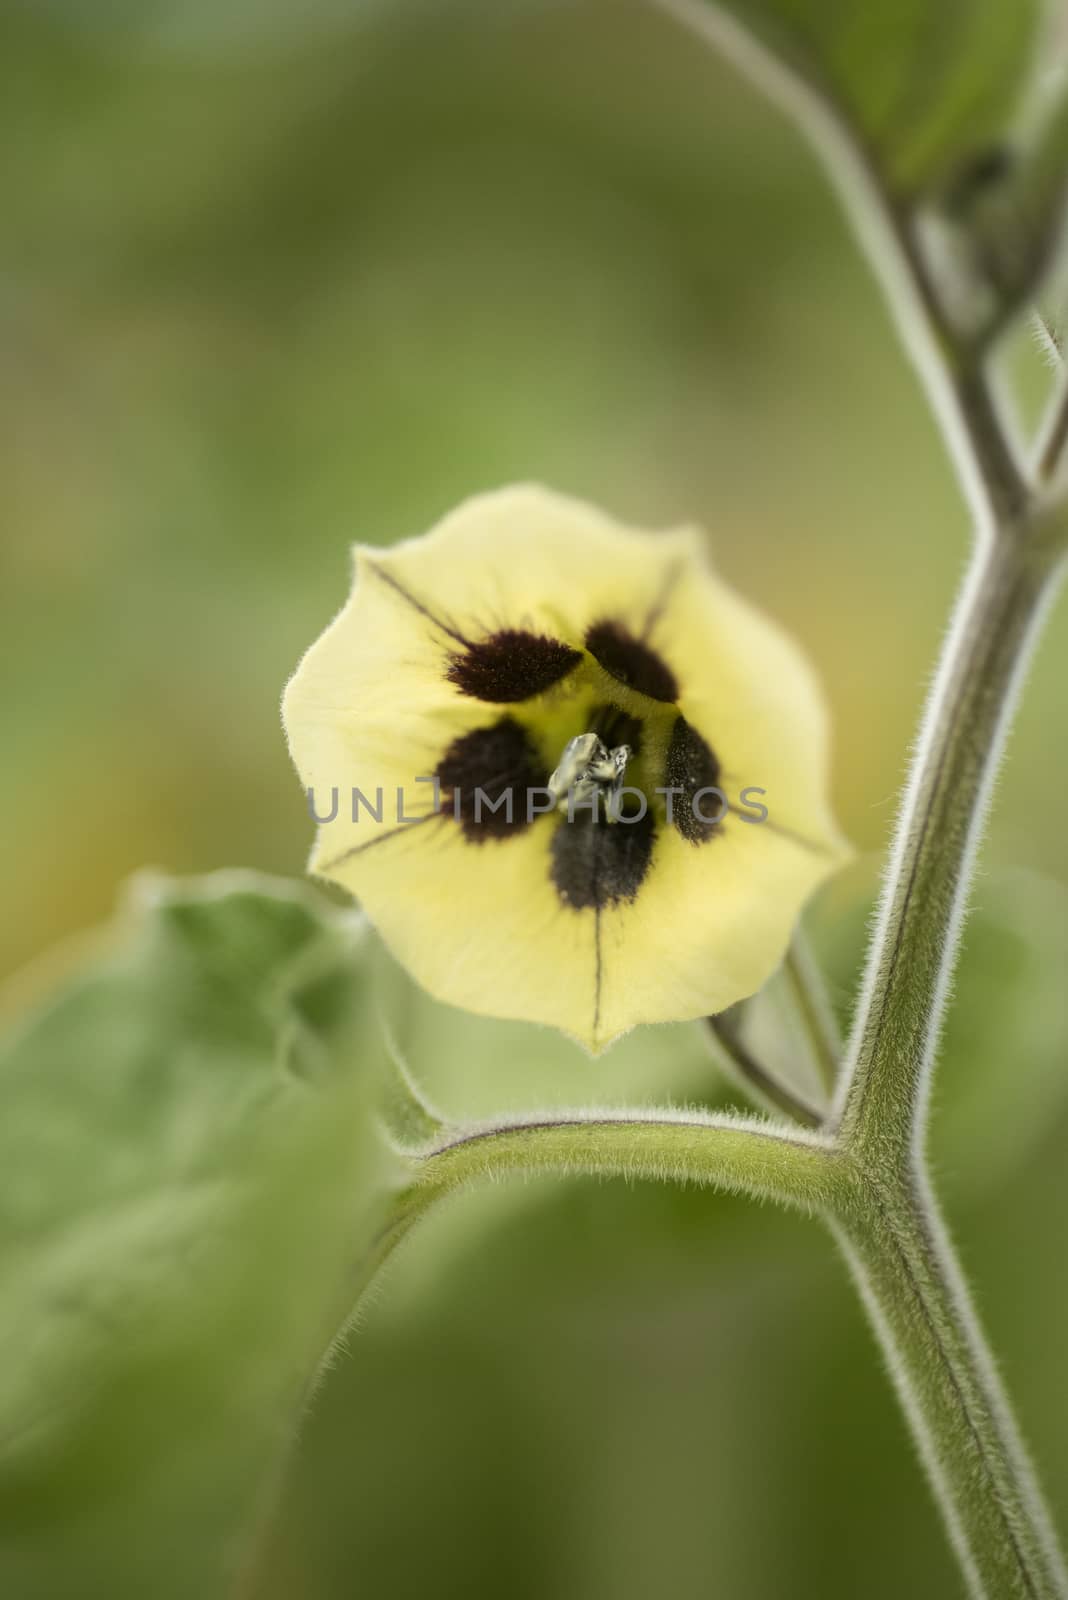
pixel 588 771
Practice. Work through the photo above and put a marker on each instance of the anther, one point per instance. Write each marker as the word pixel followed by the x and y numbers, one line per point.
pixel 588 768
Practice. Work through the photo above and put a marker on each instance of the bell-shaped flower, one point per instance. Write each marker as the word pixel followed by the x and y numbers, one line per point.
pixel 570 774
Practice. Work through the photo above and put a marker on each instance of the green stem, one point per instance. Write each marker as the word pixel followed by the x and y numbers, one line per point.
pixel 751 1072
pixel 400 1213
pixel 740 1156
pixel 883 1100
pixel 809 994
pixel 1052 447
pixel 904 1266
pixel 955 381
pixel 950 1391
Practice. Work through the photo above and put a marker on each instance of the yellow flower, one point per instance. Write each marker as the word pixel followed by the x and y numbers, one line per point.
pixel 629 716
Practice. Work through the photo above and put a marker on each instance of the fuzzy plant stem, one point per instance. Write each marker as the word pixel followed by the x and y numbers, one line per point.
pixel 882 1101
pixel 900 1254
pixel 889 1231
pixel 919 1304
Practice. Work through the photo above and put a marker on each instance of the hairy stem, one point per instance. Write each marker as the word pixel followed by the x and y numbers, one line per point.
pixel 400 1213
pixel 955 379
pixel 914 948
pixel 1052 448
pixel 740 1156
pixel 950 1391
pixel 905 1269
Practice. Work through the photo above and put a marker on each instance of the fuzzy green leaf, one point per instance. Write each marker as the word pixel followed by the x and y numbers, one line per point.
pixel 189 1184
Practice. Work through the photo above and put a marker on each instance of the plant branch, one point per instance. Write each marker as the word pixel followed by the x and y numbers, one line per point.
pixel 914 947
pixel 950 1390
pixel 813 1007
pixel 1052 449
pixel 399 1213
pixel 1049 339
pixel 954 376
pixel 740 1156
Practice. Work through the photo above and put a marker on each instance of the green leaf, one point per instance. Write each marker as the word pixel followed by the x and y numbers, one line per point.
pixel 924 85
pixel 189 1189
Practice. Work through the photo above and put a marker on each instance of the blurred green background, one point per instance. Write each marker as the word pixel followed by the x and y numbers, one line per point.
pixel 276 277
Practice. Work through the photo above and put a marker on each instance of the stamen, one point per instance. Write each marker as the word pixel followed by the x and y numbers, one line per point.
pixel 589 769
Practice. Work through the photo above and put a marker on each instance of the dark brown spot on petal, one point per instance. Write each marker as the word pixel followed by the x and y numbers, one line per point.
pixel 511 665
pixel 486 777
pixel 631 661
pixel 691 767
pixel 598 864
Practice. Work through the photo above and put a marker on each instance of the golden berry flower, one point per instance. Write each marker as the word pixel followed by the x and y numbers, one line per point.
pixel 571 775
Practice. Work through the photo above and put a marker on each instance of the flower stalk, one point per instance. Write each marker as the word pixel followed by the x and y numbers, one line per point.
pixel 797 1168
pixel 814 1011
pixel 768 1087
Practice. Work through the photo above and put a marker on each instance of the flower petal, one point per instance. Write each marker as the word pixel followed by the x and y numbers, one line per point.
pixel 521 620
pixel 482 926
pixel 525 557
pixel 749 692
pixel 709 927
pixel 370 708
